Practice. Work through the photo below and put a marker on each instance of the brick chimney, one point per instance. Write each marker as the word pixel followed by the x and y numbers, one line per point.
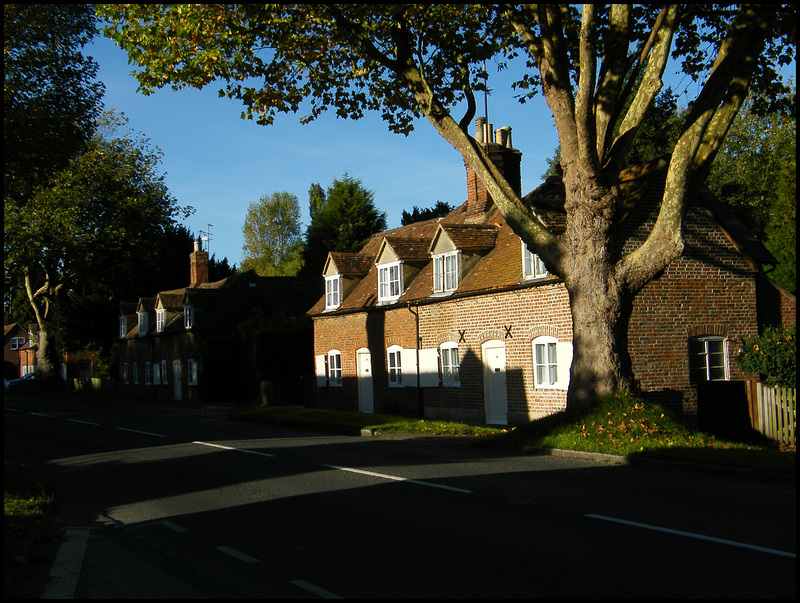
pixel 503 155
pixel 198 265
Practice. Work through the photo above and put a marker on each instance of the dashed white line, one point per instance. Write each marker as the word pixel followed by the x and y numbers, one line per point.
pixel 696 536
pixel 157 435
pixel 272 456
pixel 83 422
pixel 315 589
pixel 40 414
pixel 236 554
pixel 399 479
pixel 171 526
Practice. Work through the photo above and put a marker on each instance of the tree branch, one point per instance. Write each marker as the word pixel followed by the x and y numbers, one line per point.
pixel 584 121
pixel 647 91
pixel 609 100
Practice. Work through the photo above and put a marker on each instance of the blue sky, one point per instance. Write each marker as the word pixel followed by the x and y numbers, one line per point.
pixel 219 163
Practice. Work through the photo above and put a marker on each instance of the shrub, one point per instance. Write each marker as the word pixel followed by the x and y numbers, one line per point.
pixel 773 355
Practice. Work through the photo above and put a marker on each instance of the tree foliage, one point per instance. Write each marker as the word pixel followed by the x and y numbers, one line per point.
pixel 439 210
pixel 90 236
pixel 273 236
pixel 599 67
pixel 344 221
pixel 755 175
pixel 772 354
pixel 50 97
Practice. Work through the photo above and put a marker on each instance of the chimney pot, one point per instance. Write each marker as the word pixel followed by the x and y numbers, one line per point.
pixel 480 130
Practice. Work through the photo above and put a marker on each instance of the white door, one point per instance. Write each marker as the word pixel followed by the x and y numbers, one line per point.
pixel 494 382
pixel 176 379
pixel 364 369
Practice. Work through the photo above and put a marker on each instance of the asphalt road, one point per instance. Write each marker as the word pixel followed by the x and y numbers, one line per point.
pixel 170 503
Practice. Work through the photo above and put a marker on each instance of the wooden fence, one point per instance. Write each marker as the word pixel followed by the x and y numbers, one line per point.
pixel 736 409
pixel 773 412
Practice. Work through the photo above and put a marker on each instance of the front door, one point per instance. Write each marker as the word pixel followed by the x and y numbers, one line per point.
pixel 176 379
pixel 364 368
pixel 494 382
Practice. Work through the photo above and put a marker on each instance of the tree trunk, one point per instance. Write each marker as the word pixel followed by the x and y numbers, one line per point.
pixel 597 295
pixel 44 355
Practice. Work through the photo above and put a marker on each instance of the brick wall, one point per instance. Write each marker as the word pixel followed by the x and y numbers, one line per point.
pixel 514 317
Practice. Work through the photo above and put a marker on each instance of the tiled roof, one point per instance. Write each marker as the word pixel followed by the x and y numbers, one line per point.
pixel 471 237
pixel 501 266
pixel 351 264
pixel 409 249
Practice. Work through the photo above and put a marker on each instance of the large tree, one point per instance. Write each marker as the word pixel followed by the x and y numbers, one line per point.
pixel 599 68
pixel 90 234
pixel 272 234
pixel 342 219
pixel 51 99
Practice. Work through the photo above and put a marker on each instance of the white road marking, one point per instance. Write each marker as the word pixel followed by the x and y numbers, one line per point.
pixel 39 414
pixel 83 422
pixel 171 526
pixel 272 456
pixel 67 565
pixel 315 589
pixel 696 536
pixel 158 435
pixel 236 554
pixel 399 479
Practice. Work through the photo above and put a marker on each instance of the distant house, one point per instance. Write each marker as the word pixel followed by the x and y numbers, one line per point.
pixel 216 341
pixel 454 318
pixel 19 349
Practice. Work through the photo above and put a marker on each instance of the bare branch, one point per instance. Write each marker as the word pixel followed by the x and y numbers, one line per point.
pixel 651 84
pixel 583 100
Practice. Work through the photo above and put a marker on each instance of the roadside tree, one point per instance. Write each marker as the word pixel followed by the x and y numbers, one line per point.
pixel 341 220
pixel 598 67
pixel 272 234
pixel 89 235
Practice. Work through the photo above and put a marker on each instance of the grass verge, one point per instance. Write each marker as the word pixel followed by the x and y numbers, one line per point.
pixel 619 424
pixel 28 524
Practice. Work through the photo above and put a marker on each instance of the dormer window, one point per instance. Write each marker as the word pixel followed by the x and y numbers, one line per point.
pixel 142 324
pixel 389 282
pixel 188 317
pixel 333 292
pixel 161 320
pixel 446 272
pixel 123 326
pixel 532 266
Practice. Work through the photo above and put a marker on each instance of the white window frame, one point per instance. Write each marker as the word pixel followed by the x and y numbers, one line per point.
pixel 123 326
pixel 161 320
pixel 532 265
pixel 164 379
pixel 188 317
pixel 451 365
pixel 394 365
pixel 545 362
pixel 142 323
pixel 333 292
pixel 390 281
pixel 446 271
pixel 700 352
pixel 191 369
pixel 148 373
pixel 334 358
pixel 17 343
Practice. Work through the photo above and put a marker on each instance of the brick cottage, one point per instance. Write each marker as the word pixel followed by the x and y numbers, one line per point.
pixel 454 318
